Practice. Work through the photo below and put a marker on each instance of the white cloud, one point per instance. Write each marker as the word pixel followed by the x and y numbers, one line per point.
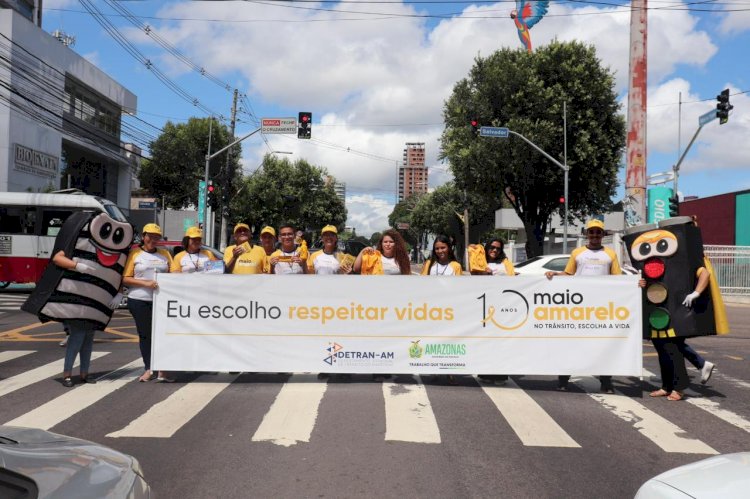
pixel 93 57
pixel 735 22
pixel 368 213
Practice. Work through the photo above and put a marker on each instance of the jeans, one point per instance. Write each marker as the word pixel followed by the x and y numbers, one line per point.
pixel 692 356
pixel 81 341
pixel 141 311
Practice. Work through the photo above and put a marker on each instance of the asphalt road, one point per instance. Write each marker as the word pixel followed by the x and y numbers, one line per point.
pixel 223 435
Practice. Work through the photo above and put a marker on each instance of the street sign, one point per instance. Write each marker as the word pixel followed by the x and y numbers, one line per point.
pixel 494 131
pixel 707 117
pixel 402 226
pixel 658 203
pixel 278 125
pixel 146 205
pixel 201 200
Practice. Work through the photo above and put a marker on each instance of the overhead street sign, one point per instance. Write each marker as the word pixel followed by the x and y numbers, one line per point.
pixel 707 117
pixel 494 131
pixel 402 226
pixel 278 125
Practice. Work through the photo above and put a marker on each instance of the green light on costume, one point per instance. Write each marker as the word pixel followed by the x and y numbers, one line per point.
pixel 659 319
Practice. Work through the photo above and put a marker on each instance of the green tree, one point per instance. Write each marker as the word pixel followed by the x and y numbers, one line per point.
pixel 525 92
pixel 375 238
pixel 281 191
pixel 402 213
pixel 178 161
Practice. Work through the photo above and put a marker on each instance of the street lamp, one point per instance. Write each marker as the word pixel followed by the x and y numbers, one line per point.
pixel 660 178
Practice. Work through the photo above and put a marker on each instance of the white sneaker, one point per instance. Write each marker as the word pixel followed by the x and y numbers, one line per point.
pixel 63 342
pixel 706 372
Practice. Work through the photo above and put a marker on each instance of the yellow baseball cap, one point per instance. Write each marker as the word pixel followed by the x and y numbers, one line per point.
pixel 152 229
pixel 329 228
pixel 241 226
pixel 268 230
pixel 194 232
pixel 594 223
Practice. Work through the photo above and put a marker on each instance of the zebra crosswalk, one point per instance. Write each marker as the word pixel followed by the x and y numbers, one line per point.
pixel 407 408
pixel 11 302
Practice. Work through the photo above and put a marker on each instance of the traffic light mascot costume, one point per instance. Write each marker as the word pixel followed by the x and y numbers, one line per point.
pixel 80 286
pixel 681 298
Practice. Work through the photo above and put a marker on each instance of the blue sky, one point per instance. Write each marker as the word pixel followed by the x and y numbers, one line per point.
pixel 375 75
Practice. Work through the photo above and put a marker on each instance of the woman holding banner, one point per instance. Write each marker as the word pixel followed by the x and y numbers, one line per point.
pixel 330 260
pixel 490 260
pixel 442 262
pixel 143 263
pixel 389 257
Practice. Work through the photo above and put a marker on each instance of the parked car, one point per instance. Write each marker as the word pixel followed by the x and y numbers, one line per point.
pixel 38 463
pixel 726 476
pixel 538 265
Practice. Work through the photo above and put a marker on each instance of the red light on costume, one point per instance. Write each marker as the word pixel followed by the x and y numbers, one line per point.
pixel 654 268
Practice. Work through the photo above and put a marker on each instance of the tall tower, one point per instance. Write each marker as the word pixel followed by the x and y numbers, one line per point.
pixel 412 174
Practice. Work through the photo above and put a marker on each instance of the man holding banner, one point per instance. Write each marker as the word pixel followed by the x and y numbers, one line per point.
pixel 590 260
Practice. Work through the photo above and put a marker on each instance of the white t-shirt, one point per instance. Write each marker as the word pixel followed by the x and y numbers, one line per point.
pixel 390 266
pixel 144 265
pixel 324 263
pixel 497 268
pixel 438 269
pixel 286 267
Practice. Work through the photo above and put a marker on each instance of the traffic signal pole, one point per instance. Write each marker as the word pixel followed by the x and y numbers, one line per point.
pixel 210 156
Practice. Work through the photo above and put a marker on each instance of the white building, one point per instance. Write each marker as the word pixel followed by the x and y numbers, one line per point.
pixel 60 116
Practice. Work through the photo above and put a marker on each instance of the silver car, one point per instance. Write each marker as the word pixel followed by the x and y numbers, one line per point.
pixel 37 463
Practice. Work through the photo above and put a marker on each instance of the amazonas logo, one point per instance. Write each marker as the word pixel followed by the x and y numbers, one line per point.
pixel 416 351
pixel 507 310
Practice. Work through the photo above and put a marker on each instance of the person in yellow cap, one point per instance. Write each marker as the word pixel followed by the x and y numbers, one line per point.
pixel 590 260
pixel 287 259
pixel 141 268
pixel 330 260
pixel 193 258
pixel 243 257
pixel 268 242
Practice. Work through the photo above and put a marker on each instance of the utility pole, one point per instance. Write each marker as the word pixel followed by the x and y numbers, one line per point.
pixel 228 177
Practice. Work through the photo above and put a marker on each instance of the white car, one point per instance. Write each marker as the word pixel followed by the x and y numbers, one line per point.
pixel 726 476
pixel 538 265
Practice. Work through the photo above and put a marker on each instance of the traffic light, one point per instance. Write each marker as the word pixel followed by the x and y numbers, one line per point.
pixel 304 128
pixel 210 193
pixel 723 107
pixel 674 206
pixel 562 199
pixel 475 126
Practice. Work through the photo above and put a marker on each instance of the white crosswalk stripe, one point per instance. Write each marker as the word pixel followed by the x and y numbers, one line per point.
pixel 667 435
pixel 40 373
pixel 715 409
pixel 13 354
pixel 12 302
pixel 531 423
pixel 409 416
pixel 61 408
pixel 292 415
pixel 165 418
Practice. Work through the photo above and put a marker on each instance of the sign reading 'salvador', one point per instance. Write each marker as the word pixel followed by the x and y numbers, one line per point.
pixel 30 161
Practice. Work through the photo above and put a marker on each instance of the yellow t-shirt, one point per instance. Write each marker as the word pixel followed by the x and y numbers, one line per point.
pixel 252 261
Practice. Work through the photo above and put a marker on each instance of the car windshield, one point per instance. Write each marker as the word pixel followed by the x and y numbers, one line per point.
pixel 530 260
pixel 115 212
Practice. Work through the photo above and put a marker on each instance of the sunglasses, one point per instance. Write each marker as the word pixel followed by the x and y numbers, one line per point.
pixel 495 248
pixel 596 232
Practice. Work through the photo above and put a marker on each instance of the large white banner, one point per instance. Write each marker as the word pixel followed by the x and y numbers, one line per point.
pixel 398 324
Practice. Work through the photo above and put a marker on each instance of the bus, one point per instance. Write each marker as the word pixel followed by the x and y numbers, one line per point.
pixel 29 223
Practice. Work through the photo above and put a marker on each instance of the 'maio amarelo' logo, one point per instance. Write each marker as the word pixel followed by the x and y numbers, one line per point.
pixel 507 310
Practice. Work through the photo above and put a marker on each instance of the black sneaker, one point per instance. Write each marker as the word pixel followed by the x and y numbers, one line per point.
pixel 67 382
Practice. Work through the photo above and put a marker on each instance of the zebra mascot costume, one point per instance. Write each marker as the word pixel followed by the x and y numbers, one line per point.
pixel 63 294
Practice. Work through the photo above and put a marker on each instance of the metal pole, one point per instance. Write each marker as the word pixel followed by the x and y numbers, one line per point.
pixel 205 176
pixel 466 230
pixel 676 167
pixel 565 170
